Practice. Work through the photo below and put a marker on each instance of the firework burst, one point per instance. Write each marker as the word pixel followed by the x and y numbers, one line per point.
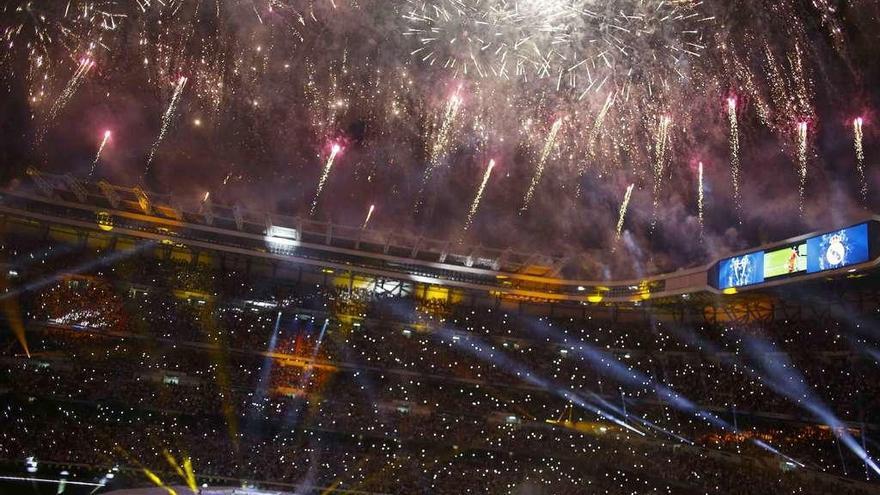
pixel 38 37
pixel 570 43
pixel 265 85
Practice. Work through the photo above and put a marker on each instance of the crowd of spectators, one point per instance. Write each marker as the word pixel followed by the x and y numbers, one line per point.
pixel 323 385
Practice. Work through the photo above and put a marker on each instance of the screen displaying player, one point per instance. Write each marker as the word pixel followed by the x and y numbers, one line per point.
pixel 785 261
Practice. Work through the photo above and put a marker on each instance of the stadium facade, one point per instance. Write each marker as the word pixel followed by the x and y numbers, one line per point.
pixel 115 218
pixel 295 353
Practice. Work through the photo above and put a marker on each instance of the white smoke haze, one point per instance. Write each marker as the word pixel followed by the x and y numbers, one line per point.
pixel 274 84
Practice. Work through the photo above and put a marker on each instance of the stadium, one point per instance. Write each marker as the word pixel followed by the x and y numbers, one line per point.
pixel 455 246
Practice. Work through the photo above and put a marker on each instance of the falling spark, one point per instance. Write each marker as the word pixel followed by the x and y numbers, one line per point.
pixel 860 158
pixel 661 141
pixel 539 170
pixel 479 196
pixel 622 213
pixel 369 215
pixel 441 142
pixel 802 163
pixel 100 150
pixel 594 137
pixel 85 65
pixel 733 139
pixel 324 175
pixel 700 197
pixel 597 125
pixel 167 118
pixel 660 144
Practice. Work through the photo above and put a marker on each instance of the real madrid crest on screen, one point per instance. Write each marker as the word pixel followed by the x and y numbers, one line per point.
pixel 835 254
pixel 837 249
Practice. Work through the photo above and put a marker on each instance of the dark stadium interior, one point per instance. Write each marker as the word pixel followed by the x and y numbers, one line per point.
pixel 375 247
pixel 130 356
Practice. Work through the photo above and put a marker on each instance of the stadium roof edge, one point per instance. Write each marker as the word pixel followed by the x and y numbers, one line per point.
pixel 427 260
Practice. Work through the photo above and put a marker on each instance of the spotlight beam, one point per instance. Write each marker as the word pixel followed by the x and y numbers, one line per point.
pixel 480 351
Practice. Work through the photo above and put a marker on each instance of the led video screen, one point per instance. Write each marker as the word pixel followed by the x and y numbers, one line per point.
pixel 838 249
pixel 785 261
pixel 740 271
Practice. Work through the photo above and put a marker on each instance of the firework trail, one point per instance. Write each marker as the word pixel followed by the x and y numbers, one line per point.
pixel 733 139
pixel 594 137
pixel 167 118
pixel 441 142
pixel 700 197
pixel 539 170
pixel 860 158
pixel 479 196
pixel 802 163
pixel 622 214
pixel 751 85
pixel 73 85
pixel 324 175
pixel 597 125
pixel 661 142
pixel 100 150
pixel 369 215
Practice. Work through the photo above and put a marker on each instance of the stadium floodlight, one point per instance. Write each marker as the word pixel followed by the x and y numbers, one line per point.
pixel 31 464
pixel 282 240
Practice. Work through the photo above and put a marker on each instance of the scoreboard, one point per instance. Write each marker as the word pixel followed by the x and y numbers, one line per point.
pixel 819 253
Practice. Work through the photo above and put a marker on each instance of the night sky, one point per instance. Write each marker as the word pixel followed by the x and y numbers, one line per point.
pixel 420 95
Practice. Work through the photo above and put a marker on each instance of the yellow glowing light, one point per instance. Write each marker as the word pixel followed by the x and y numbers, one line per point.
pixel 104 221
pixel 595 298
pixel 729 290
